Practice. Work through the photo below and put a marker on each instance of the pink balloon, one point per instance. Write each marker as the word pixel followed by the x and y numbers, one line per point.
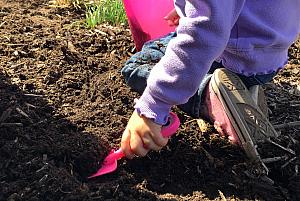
pixel 146 19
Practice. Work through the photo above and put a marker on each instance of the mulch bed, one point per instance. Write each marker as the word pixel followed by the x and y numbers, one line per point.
pixel 64 105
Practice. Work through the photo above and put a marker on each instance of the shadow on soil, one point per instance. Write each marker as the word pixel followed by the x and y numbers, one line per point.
pixel 44 156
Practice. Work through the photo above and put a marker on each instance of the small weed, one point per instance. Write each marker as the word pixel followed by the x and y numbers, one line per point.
pixel 111 11
pixel 97 11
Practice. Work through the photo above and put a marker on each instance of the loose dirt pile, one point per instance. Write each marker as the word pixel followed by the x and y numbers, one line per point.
pixel 64 105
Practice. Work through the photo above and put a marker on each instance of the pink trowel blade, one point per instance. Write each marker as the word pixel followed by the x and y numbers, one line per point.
pixel 110 162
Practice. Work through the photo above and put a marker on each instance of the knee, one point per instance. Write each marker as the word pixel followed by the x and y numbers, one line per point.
pixel 136 76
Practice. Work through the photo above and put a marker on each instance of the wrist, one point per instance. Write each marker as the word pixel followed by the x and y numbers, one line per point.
pixel 155 110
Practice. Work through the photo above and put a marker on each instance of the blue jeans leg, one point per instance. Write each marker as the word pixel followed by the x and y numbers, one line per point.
pixel 137 69
pixel 252 80
pixel 193 106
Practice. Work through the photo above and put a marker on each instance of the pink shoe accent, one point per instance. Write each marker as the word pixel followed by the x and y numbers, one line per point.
pixel 217 114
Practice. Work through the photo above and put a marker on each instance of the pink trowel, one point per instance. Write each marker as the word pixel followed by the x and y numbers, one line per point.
pixel 110 162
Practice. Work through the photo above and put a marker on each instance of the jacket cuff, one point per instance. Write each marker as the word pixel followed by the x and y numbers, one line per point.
pixel 153 108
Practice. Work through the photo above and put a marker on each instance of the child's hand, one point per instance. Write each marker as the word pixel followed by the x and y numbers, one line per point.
pixel 172 18
pixel 140 136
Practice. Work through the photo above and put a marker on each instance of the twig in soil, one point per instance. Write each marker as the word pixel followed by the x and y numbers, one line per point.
pixel 21 112
pixel 33 95
pixel 190 121
pixel 199 170
pixel 66 192
pixel 281 147
pixel 186 169
pixel 286 164
pixel 267 179
pixel 116 190
pixel 162 185
pixel 287 125
pixel 294 141
pixel 11 124
pixel 17 65
pixel 42 121
pixel 111 96
pixel 296 169
pixel 43 178
pixel 11 44
pixel 5 114
pixel 274 159
pixel 42 168
pixel 2 24
pixel 30 105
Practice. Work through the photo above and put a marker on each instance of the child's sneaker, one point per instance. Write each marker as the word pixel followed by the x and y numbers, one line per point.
pixel 234 112
pixel 258 95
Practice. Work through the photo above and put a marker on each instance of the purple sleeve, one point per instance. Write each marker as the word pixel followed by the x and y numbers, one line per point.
pixel 202 36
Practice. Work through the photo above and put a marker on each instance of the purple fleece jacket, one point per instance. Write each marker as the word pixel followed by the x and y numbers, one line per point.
pixel 248 37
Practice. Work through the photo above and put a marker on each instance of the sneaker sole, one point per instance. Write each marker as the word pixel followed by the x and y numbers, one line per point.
pixel 250 124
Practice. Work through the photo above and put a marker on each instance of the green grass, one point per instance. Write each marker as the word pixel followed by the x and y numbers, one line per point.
pixel 110 11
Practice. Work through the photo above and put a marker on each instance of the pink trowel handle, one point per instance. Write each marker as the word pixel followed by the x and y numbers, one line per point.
pixel 171 127
pixel 110 162
pixel 167 131
pixel 113 156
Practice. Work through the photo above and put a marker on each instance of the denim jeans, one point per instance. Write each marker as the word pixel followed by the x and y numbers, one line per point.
pixel 137 69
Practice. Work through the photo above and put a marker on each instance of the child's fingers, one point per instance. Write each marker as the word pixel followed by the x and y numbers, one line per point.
pixel 176 21
pixel 159 140
pixel 148 143
pixel 170 23
pixel 125 144
pixel 172 14
pixel 137 146
pixel 173 22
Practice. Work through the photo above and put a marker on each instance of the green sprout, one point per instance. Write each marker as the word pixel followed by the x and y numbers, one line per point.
pixel 110 11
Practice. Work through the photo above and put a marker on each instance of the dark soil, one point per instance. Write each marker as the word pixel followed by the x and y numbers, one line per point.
pixel 64 105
